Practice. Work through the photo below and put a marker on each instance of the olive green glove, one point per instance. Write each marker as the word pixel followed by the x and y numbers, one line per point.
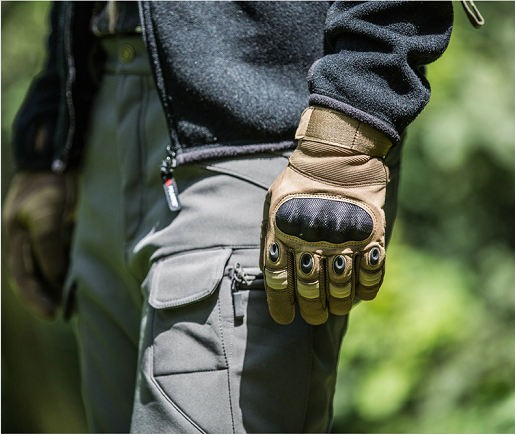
pixel 323 231
pixel 37 218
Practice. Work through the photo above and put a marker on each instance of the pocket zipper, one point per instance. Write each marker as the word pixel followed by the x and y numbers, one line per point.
pixel 241 280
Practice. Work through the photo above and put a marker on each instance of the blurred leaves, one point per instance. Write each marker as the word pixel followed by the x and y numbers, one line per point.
pixel 24 33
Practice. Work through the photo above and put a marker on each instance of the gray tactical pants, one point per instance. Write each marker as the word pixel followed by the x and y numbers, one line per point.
pixel 161 347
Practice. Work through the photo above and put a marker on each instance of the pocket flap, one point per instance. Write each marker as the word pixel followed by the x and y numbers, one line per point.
pixel 182 279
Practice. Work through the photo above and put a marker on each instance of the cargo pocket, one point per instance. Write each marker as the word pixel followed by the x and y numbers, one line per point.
pixel 190 357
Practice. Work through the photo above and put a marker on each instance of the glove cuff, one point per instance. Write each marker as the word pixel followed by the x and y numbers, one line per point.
pixel 321 124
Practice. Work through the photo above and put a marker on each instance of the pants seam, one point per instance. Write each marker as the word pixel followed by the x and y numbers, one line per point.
pixel 226 362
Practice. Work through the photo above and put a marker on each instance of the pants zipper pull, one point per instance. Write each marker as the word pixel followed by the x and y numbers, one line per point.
pixel 238 276
pixel 169 184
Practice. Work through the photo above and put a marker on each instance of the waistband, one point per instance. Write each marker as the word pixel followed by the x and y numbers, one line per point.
pixel 125 55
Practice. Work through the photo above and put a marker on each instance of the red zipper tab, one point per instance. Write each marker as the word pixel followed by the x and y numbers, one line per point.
pixel 172 194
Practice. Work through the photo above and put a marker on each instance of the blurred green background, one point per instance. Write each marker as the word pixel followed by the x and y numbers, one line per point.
pixel 435 352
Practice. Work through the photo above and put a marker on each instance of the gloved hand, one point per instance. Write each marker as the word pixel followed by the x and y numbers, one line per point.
pixel 323 231
pixel 38 220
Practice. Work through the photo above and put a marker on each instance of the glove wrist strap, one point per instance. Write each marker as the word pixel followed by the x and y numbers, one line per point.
pixel 321 124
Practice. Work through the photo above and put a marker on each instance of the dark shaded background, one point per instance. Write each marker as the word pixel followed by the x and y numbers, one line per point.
pixel 435 352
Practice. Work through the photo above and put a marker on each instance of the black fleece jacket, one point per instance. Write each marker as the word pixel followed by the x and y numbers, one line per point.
pixel 234 77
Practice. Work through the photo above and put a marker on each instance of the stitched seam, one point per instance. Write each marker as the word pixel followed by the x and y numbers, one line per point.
pixel 226 362
pixel 179 410
pixel 330 143
pixel 355 135
pixel 322 180
pixel 189 373
pixel 230 360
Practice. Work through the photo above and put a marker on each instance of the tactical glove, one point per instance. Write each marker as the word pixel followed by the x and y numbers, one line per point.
pixel 37 219
pixel 323 231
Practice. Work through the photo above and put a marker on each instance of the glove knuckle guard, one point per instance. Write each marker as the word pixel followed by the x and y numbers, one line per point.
pixel 315 219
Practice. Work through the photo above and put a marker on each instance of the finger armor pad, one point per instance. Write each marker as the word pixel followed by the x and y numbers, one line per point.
pixel 276 279
pixel 368 279
pixel 340 291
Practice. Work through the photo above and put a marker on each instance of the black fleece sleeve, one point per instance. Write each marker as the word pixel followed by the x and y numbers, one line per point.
pixel 39 110
pixel 373 66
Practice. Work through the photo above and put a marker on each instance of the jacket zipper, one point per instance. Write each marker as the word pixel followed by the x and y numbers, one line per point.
pixel 169 164
pixel 60 163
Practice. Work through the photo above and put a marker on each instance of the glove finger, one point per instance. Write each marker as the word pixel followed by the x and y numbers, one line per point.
pixel 341 284
pixel 311 294
pixel 41 298
pixel 279 282
pixel 371 273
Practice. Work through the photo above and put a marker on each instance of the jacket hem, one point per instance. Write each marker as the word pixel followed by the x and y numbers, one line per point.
pixel 191 155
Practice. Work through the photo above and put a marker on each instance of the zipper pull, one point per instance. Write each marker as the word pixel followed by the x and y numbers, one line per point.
pixel 238 276
pixel 169 184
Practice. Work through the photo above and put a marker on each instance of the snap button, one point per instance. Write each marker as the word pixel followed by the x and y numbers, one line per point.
pixel 126 53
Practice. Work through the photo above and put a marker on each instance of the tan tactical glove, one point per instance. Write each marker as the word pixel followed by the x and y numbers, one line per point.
pixel 37 219
pixel 323 231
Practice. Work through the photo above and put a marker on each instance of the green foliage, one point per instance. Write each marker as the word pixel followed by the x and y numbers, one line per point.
pixel 24 31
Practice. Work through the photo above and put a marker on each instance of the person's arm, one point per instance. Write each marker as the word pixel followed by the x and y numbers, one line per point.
pixel 37 213
pixel 323 233
pixel 374 66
